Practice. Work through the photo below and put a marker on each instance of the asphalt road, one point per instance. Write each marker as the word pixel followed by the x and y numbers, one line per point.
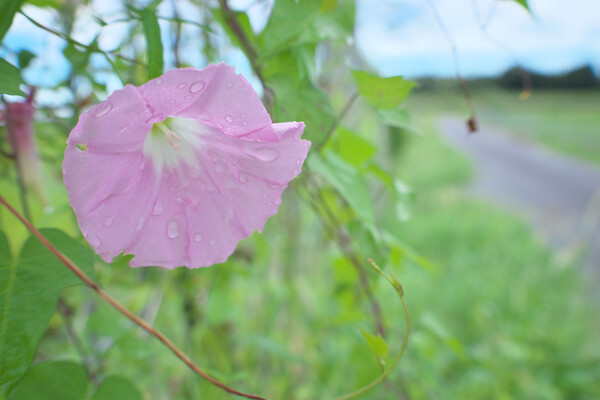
pixel 558 195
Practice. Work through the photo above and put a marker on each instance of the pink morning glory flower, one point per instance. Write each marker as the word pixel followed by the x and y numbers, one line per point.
pixel 179 170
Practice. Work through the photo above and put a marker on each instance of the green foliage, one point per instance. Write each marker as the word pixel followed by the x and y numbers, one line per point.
pixel 64 380
pixel 153 41
pixel 10 79
pixel 348 180
pixel 377 344
pixel 116 388
pixel 29 289
pixel 382 93
pixel 9 9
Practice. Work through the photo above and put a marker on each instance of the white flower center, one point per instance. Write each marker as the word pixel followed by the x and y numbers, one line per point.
pixel 173 142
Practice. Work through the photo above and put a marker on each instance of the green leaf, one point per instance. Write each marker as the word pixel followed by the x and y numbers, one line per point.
pixel 10 79
pixel 153 41
pixel 117 388
pixel 348 181
pixel 377 344
pixel 244 23
pixel 9 9
pixel 351 146
pixel 301 101
pixel 64 380
pixel 400 192
pixel 281 32
pixel 29 289
pixel 398 117
pixel 25 57
pixel 382 93
pixel 523 3
pixel 314 21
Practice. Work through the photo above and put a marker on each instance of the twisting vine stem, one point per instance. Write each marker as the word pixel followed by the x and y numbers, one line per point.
pixel 114 303
pixel 386 372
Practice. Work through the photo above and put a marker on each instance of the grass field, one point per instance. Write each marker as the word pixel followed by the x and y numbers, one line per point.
pixel 566 120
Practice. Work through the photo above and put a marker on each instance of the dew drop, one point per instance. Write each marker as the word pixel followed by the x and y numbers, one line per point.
pixel 243 115
pixel 242 178
pixel 244 123
pixel 196 86
pixel 229 84
pixel 140 224
pixel 182 85
pixel 179 199
pixel 260 153
pixel 212 242
pixel 188 97
pixel 103 110
pixel 172 229
pixel 273 185
pixel 229 118
pixel 109 221
pixel 270 203
pixel 157 208
pixel 197 237
pixel 158 81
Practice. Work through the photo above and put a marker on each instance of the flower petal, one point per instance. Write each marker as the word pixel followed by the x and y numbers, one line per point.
pixel 215 95
pixel 120 124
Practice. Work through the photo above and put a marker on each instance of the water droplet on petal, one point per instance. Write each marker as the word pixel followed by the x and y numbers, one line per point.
pixel 179 199
pixel 182 85
pixel 212 242
pixel 140 224
pixel 103 110
pixel 197 237
pixel 244 123
pixel 229 84
pixel 158 81
pixel 188 97
pixel 228 215
pixel 109 221
pixel 243 115
pixel 273 185
pixel 270 203
pixel 157 210
pixel 260 153
pixel 229 118
pixel 172 229
pixel 196 86
pixel 242 178
pixel 298 162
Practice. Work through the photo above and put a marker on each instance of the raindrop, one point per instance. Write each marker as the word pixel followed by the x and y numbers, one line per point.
pixel 179 199
pixel 260 153
pixel 242 178
pixel 158 81
pixel 196 86
pixel 172 229
pixel 229 84
pixel 270 203
pixel 212 242
pixel 273 185
pixel 103 110
pixel 182 85
pixel 157 208
pixel 243 115
pixel 172 103
pixel 244 123
pixel 229 118
pixel 197 237
pixel 109 221
pixel 187 97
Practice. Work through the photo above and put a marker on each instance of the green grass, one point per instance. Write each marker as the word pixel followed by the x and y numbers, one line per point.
pixel 501 318
pixel 567 120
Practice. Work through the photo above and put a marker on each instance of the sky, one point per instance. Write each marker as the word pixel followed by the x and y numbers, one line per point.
pixel 397 37
pixel 416 37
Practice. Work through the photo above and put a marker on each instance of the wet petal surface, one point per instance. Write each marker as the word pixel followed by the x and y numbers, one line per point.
pixel 176 183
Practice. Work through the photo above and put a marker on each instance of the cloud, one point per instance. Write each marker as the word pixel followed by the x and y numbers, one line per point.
pixel 405 37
